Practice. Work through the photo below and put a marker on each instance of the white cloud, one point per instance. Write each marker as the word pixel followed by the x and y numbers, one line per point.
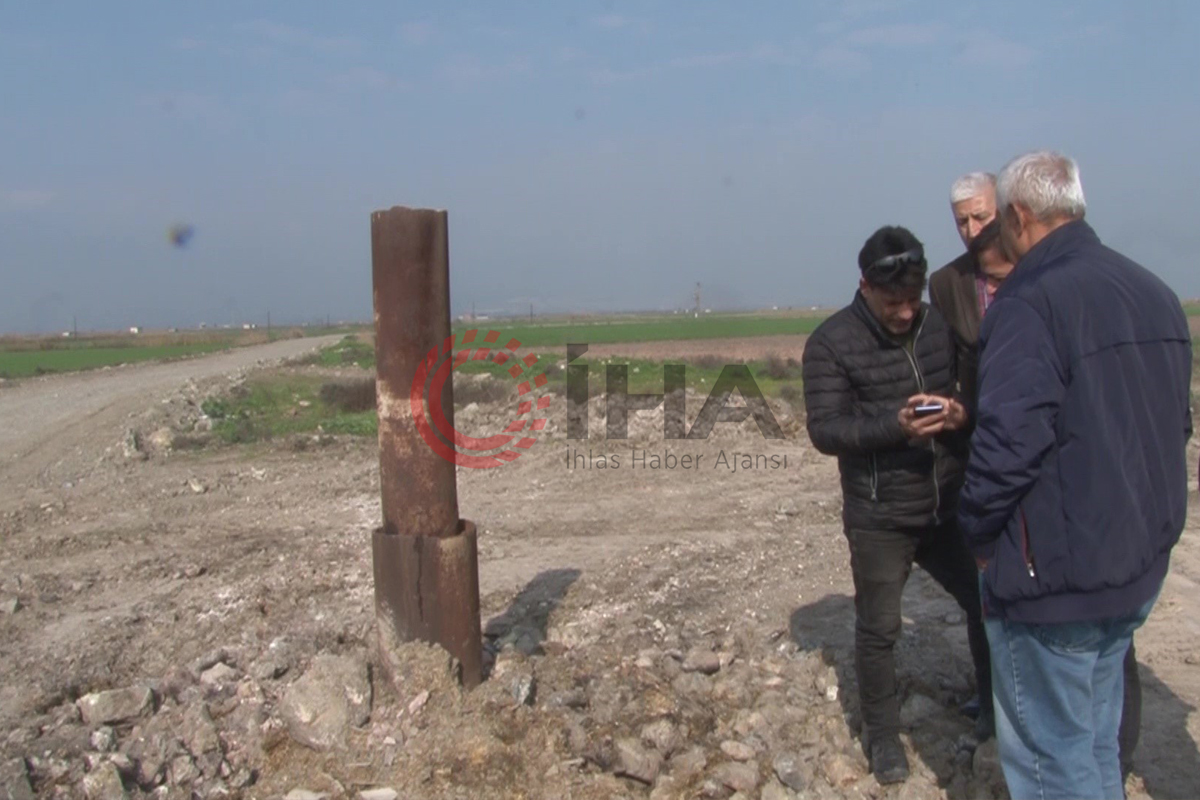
pixel 25 199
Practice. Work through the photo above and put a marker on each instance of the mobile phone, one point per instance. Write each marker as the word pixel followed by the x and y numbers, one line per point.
pixel 927 409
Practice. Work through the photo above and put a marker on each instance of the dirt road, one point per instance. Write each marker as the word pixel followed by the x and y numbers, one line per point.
pixel 46 419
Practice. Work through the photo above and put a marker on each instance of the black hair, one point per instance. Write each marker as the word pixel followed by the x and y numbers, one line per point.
pixel 987 238
pixel 893 240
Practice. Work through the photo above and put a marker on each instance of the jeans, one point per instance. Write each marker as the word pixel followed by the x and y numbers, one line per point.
pixel 881 561
pixel 1058 696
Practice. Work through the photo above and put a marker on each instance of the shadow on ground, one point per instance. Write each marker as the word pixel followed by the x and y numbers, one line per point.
pixel 523 624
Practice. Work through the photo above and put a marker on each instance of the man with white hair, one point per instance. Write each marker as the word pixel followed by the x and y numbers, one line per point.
pixel 1076 485
pixel 960 290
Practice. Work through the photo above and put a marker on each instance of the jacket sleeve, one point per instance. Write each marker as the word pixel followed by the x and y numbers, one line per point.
pixel 1021 385
pixel 833 425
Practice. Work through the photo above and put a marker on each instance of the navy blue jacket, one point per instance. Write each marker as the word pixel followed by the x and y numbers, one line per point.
pixel 1076 484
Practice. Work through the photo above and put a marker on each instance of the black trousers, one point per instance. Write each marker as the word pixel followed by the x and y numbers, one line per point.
pixel 1131 712
pixel 881 561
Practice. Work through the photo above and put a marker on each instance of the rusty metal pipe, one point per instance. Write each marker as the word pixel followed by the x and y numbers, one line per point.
pixel 425 557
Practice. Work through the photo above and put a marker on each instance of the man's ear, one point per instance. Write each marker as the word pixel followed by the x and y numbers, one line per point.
pixel 863 286
pixel 1021 218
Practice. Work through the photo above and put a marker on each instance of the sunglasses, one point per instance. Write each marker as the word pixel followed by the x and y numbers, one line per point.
pixel 890 267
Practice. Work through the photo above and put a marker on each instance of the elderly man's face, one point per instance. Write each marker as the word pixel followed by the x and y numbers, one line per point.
pixel 972 214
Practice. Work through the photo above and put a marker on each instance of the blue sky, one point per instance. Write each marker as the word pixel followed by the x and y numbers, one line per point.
pixel 591 156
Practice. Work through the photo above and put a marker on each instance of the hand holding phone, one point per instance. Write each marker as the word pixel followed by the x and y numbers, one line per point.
pixel 927 409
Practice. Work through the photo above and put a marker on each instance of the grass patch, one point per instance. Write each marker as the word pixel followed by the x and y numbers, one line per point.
pixel 24 363
pixel 350 350
pixel 273 406
pixel 349 396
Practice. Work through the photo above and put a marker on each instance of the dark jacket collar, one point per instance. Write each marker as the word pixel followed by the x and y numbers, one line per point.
pixel 1064 238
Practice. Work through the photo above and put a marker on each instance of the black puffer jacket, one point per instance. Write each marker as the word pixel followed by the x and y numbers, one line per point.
pixel 856 380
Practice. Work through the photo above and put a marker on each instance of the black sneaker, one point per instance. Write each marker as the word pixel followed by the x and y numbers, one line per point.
pixel 888 762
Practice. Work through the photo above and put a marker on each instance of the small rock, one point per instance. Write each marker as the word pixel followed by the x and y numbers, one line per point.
pixel 634 762
pixel 219 675
pixel 116 705
pixel 10 605
pixel 124 765
pixel 840 770
pixel 104 784
pixel 776 791
pixel 103 739
pixel 333 695
pixel 162 439
pixel 131 446
pixel 739 777
pixel 418 702
pixel 571 698
pixel 305 794
pixel 524 689
pixel 955 618
pixel 916 708
pixel 738 751
pixel 269 669
pixel 917 787
pixel 831 693
pixel 197 486
pixel 14 780
pixel 692 683
pixel 378 794
pixel 193 571
pixel 688 765
pixel 199 735
pixel 788 507
pixel 787 769
pixel 703 661
pixel 183 771
pixel 663 736
pixel 985 765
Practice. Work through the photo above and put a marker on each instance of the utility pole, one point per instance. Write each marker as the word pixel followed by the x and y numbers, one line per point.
pixel 697 299
pixel 531 312
pixel 425 557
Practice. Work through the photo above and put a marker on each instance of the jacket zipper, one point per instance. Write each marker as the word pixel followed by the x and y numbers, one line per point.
pixel 874 479
pixel 1026 548
pixel 912 359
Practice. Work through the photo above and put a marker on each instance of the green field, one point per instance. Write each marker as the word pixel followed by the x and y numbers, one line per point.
pixel 23 356
pixel 608 331
pixel 21 364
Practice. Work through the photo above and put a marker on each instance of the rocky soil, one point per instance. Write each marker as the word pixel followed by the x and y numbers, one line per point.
pixel 185 620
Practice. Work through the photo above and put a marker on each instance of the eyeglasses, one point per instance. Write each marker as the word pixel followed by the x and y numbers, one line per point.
pixel 890 267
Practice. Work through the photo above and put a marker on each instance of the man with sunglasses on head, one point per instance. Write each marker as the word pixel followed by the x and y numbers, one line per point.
pixel 879 385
